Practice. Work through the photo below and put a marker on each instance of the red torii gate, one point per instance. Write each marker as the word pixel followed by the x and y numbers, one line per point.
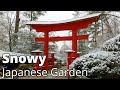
pixel 73 24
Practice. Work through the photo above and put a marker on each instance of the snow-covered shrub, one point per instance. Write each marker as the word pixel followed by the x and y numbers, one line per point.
pixel 101 64
pixel 112 45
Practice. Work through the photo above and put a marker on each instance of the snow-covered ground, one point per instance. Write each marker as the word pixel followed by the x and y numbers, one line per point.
pixel 11 53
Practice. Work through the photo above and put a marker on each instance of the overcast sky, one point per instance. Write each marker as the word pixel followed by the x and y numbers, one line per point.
pixel 57 16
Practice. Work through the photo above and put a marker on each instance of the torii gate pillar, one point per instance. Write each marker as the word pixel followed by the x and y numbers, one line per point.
pixel 74 40
pixel 46 36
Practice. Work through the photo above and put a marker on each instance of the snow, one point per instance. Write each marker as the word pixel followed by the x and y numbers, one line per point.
pixel 52 52
pixel 112 45
pixel 26 43
pixel 100 63
pixel 69 51
pixel 88 57
pixel 36 51
pixel 64 21
pixel 78 52
pixel 59 58
pixel 11 53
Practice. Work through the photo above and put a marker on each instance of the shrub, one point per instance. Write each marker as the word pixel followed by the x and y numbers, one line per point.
pixel 112 45
pixel 101 64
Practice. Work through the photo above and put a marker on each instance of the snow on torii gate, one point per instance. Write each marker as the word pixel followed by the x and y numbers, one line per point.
pixel 72 24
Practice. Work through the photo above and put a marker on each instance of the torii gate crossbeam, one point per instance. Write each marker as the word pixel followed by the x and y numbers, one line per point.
pixel 82 37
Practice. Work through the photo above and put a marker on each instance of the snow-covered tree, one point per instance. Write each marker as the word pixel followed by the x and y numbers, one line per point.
pixel 26 42
pixel 7 21
pixel 33 15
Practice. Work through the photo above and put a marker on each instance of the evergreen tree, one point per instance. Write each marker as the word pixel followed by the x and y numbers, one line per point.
pixel 33 15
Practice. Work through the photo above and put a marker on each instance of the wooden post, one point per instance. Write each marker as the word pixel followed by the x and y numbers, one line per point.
pixel 74 40
pixel 78 54
pixel 52 59
pixel 46 49
pixel 74 44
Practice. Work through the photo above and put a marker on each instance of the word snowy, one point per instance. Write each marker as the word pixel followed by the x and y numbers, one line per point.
pixel 7 58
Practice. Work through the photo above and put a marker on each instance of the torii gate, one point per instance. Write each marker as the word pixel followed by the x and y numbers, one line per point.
pixel 72 24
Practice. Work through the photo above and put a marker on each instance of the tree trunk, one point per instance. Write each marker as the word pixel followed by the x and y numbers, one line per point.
pixel 17 22
pixel 109 28
pixel 31 18
pixel 15 37
pixel 10 42
pixel 102 28
pixel 95 34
